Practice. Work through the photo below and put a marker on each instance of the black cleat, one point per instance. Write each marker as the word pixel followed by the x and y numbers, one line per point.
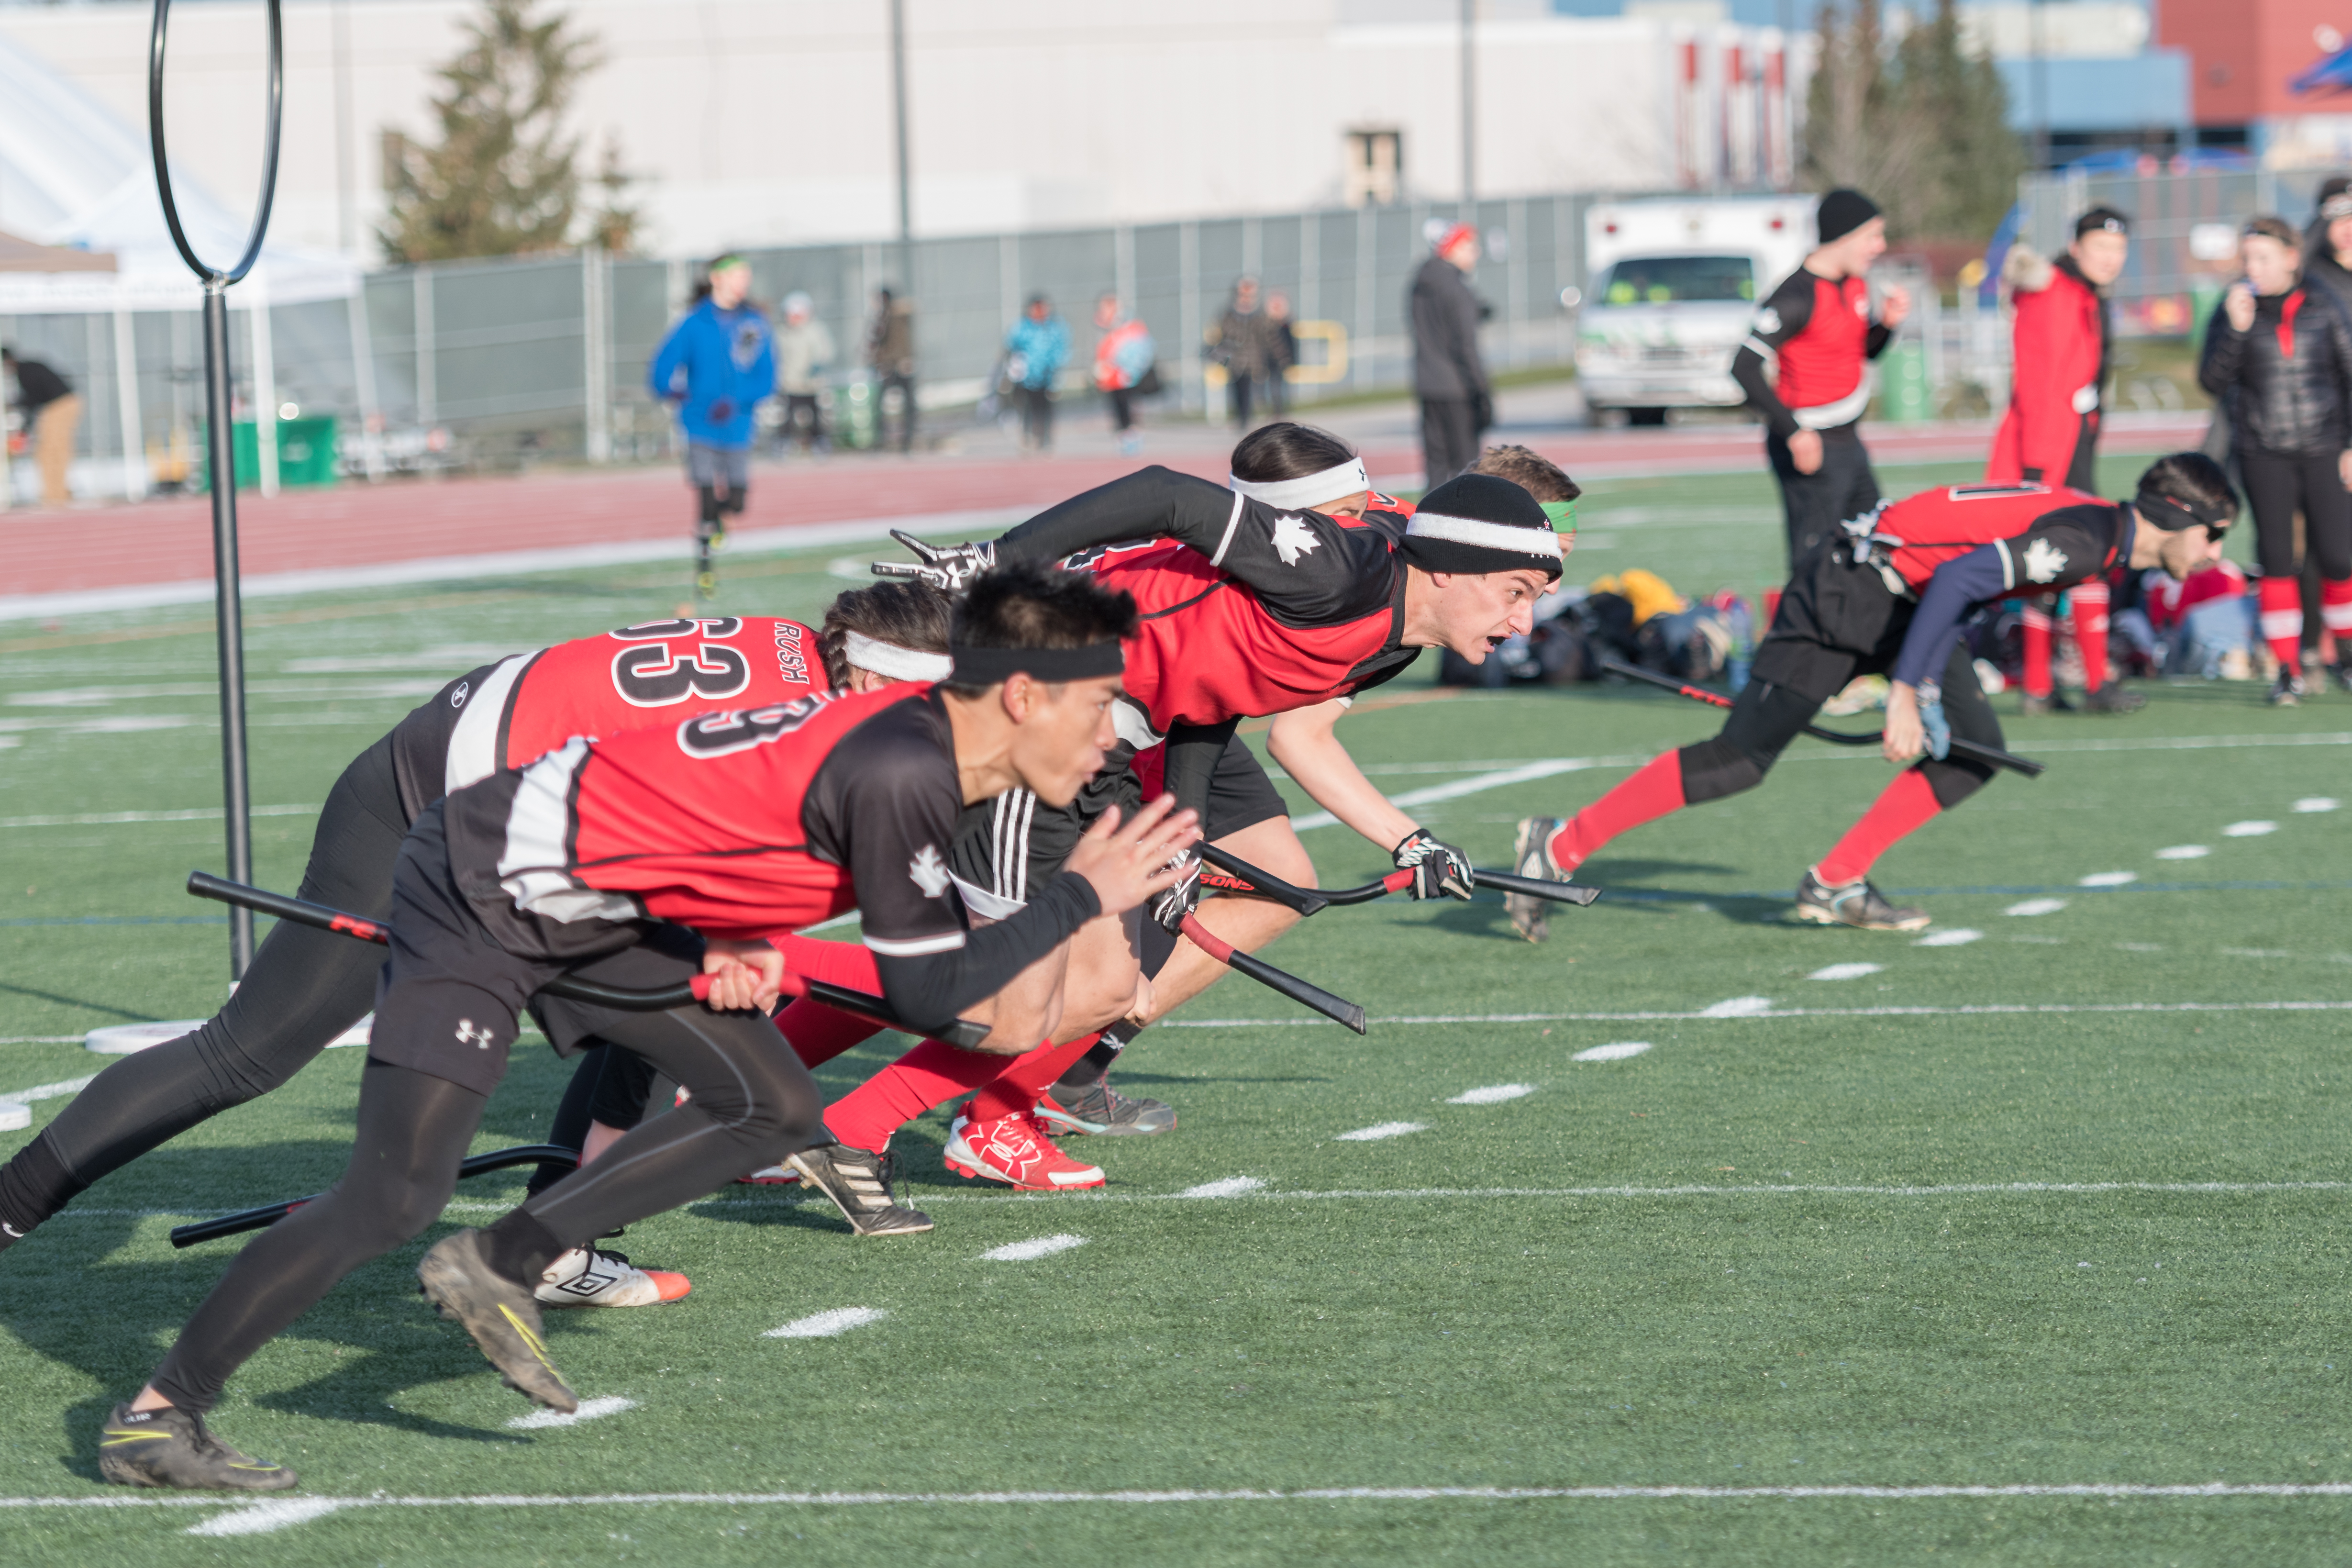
pixel 170 1448
pixel 858 1182
pixel 1096 1108
pixel 1531 856
pixel 2113 699
pixel 2288 691
pixel 1857 904
pixel 500 1314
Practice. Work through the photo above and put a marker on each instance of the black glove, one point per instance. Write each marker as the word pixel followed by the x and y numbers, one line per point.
pixel 950 568
pixel 1177 901
pixel 1439 869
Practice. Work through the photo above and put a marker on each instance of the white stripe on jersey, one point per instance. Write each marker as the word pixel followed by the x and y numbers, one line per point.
pixel 473 743
pixel 917 947
pixel 531 862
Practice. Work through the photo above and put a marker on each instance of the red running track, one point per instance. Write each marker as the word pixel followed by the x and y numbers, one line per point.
pixel 361 525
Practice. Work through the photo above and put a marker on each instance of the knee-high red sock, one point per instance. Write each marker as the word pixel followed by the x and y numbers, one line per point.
pixel 1649 795
pixel 931 1074
pixel 2336 615
pixel 2282 601
pixel 2089 601
pixel 2036 623
pixel 1014 1091
pixel 817 1032
pixel 1899 810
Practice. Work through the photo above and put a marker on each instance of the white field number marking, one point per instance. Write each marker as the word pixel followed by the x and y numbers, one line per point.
pixel 264 1517
pixel 2108 878
pixel 1615 1051
pixel 1230 1187
pixel 2184 852
pixel 2036 907
pixel 2317 803
pixel 1031 1250
pixel 1493 1094
pixel 1846 970
pixel 825 1325
pixel 589 1410
pixel 2249 829
pixel 1737 1007
pixel 1958 936
pixel 1384 1130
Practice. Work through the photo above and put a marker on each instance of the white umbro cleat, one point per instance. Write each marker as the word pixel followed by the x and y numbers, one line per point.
pixel 592 1276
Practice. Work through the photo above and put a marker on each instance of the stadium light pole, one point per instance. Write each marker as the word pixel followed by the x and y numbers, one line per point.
pixel 1470 112
pixel 220 465
pixel 898 113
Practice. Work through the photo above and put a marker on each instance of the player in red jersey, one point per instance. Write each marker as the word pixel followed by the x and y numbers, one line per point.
pixel 646 858
pixel 1890 595
pixel 304 987
pixel 1817 324
pixel 1289 592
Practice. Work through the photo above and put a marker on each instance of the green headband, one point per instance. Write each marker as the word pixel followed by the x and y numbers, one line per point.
pixel 1563 517
pixel 722 263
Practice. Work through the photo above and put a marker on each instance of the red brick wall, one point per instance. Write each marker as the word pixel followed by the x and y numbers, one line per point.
pixel 2242 53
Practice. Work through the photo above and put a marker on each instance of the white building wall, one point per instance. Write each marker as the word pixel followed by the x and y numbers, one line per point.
pixel 767 121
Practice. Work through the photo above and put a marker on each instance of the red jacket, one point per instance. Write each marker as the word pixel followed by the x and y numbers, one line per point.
pixel 2054 396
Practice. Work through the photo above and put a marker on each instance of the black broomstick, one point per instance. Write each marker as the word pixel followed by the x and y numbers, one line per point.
pixel 1992 755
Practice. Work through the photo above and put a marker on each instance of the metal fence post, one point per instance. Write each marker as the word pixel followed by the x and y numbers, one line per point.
pixel 1368 234
pixel 428 401
pixel 265 388
pixel 364 380
pixel 596 349
pixel 126 394
pixel 1188 312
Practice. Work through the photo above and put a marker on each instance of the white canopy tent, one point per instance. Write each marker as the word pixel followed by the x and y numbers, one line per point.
pixel 73 174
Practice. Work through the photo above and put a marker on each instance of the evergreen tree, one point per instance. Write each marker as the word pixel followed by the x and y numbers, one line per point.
pixel 502 180
pixel 1920 123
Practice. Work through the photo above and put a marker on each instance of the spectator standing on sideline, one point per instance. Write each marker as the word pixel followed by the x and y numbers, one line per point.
pixel 51 409
pixel 890 351
pixel 1242 341
pixel 2051 436
pixel 1039 344
pixel 2327 261
pixel 1123 357
pixel 1457 402
pixel 805 351
pixel 1281 352
pixel 1817 324
pixel 715 367
pixel 2287 350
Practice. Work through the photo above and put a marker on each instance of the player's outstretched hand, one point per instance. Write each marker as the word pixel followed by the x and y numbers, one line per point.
pixel 744 975
pixel 950 568
pixel 1130 862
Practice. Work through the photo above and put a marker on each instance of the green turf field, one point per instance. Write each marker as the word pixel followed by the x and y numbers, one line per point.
pixel 2047 1200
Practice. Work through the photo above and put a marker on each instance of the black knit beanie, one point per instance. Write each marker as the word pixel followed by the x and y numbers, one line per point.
pixel 1477 522
pixel 1843 212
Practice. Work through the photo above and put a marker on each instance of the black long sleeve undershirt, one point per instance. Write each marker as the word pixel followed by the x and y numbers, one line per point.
pixel 929 989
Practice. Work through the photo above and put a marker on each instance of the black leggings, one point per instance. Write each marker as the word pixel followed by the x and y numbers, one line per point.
pixel 1767 717
pixel 304 988
pixel 753 1104
pixel 2277 486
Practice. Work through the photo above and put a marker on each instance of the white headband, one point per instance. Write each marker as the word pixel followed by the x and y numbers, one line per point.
pixel 1348 478
pixel 888 659
pixel 1485 535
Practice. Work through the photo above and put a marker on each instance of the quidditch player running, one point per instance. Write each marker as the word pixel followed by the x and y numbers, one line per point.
pixel 1891 595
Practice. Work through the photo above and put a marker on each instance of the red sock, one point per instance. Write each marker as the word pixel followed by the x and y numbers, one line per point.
pixel 2088 600
pixel 1014 1091
pixel 931 1074
pixel 2036 620
pixel 1649 795
pixel 1899 810
pixel 2282 601
pixel 2335 613
pixel 817 1032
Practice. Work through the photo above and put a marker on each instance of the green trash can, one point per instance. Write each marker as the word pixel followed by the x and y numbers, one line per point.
pixel 1903 395
pixel 306 452
pixel 856 410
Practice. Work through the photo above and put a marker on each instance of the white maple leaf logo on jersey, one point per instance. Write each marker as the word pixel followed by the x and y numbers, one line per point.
pixel 1291 539
pixel 2043 562
pixel 931 872
pixel 1768 321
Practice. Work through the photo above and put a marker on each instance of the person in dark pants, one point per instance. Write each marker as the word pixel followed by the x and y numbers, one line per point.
pixel 1457 402
pixel 890 351
pixel 1817 325
pixel 1243 342
pixel 1281 350
pixel 715 367
pixel 2286 349
pixel 1036 349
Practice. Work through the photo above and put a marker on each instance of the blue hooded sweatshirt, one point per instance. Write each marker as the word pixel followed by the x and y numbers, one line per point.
pixel 717 365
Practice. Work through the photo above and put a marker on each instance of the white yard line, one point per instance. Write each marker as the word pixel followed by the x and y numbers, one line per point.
pixel 187 813
pixel 1762 1007
pixel 589 1410
pixel 1031 1250
pixel 1526 772
pixel 826 1325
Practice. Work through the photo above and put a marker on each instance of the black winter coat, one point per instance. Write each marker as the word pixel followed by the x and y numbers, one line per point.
pixel 2292 372
pixel 1444 314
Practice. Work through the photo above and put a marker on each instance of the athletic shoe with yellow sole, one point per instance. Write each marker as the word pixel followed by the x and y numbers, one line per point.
pixel 1011 1150
pixel 592 1276
pixel 500 1314
pixel 170 1448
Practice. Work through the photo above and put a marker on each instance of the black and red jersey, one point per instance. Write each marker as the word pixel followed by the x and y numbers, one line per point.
pixel 1819 333
pixel 505 714
pixel 2043 537
pixel 2051 432
pixel 1249 610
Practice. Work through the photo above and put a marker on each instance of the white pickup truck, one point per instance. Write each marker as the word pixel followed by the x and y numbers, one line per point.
pixel 1672 285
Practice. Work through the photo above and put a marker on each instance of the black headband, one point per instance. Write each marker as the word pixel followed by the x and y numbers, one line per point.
pixel 987 666
pixel 2190 514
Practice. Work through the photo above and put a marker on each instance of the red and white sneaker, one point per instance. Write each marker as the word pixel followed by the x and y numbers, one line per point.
pixel 1012 1151
pixel 770 1177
